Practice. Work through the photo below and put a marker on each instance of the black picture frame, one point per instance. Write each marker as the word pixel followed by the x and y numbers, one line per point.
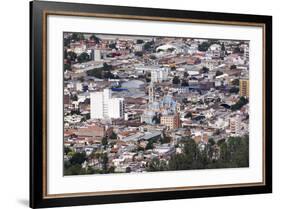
pixel 38 12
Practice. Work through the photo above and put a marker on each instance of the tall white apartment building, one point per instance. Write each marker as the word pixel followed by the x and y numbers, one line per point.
pixel 139 47
pixel 159 74
pixel 96 55
pixel 235 124
pixel 103 106
pixel 116 108
pixel 97 107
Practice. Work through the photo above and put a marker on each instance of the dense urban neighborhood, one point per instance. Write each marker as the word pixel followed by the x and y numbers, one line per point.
pixel 144 104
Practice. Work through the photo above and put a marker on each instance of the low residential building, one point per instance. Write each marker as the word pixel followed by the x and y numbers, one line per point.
pixel 97 131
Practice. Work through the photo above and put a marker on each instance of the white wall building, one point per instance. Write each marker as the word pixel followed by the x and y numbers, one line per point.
pixel 235 124
pixel 159 74
pixel 104 106
pixel 97 110
pixel 116 108
pixel 96 55
pixel 138 47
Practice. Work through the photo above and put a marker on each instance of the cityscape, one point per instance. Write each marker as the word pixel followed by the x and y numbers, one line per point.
pixel 135 104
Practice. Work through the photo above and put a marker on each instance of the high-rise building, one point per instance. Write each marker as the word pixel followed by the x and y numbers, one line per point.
pixel 104 106
pixel 171 121
pixel 244 87
pixel 96 55
pixel 159 75
pixel 97 107
pixel 116 108
pixel 151 94
pixel 235 124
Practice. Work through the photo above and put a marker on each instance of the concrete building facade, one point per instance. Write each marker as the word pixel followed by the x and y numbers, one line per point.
pixel 171 121
pixel 244 88
pixel 103 106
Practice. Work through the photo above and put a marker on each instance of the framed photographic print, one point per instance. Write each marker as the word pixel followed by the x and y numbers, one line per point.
pixel 140 104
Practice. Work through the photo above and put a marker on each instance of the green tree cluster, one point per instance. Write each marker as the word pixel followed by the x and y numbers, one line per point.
pixel 103 72
pixel 239 104
pixel 83 57
pixel 176 80
pixel 157 165
pixel 234 153
pixel 95 38
pixel 204 70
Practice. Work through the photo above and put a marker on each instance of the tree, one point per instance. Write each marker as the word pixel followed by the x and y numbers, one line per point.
pixel 224 152
pixel 190 149
pixel 165 139
pixel 239 151
pixel 139 54
pixel 83 57
pixel 111 169
pixel 104 161
pixel 104 141
pixel 176 80
pixel 237 50
pixel 212 141
pixel 73 170
pixel 107 67
pixel 170 49
pixel 219 142
pixel 188 115
pixel 179 162
pixel 235 82
pixel 222 47
pixel 189 159
pixel 149 145
pixel 148 45
pixel 77 37
pixel 185 74
pixel 173 68
pixel 109 75
pixel 74 97
pixel 218 73
pixel 103 73
pixel 239 104
pixel 203 158
pixel 156 165
pixel 234 90
pixel 204 46
pixel 231 153
pixel 71 56
pixel 64 53
pixel 78 158
pixel 98 73
pixel 185 100
pixel 204 70
pixel 113 135
pixel 128 170
pixel 66 150
pixel 95 38
pixel 140 41
pixel 184 83
pixel 233 67
pixel 112 46
pixel 66 66
pixel 147 79
pixel 156 119
pixel 66 41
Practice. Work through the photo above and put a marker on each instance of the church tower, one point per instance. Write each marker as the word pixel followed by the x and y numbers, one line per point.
pixel 151 94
